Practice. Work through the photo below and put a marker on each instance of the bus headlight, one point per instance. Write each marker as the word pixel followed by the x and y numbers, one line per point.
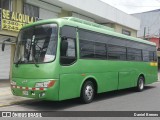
pixel 46 84
pixel 13 83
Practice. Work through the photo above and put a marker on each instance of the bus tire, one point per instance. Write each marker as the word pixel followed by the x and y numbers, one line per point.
pixel 87 92
pixel 140 84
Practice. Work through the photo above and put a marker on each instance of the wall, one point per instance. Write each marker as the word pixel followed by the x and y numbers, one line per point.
pixel 46 10
pixel 118 28
pixel 99 11
pixel 155 40
pixel 53 11
pixel 8 54
pixel 151 21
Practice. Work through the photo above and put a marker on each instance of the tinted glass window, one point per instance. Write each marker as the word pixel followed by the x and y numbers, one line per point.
pixel 155 56
pixel 68 51
pixel 116 52
pixel 134 54
pixel 68 31
pixel 93 36
pixel 100 50
pixel 71 48
pixel 37 44
pixel 145 56
pixel 68 45
pixel 92 50
pixel 86 49
pixel 151 56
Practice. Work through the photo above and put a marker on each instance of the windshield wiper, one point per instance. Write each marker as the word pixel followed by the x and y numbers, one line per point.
pixel 32 53
pixel 34 61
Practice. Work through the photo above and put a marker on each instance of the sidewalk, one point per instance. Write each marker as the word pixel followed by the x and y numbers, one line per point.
pixel 6 97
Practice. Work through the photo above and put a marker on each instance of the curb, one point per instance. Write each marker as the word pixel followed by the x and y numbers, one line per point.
pixel 19 102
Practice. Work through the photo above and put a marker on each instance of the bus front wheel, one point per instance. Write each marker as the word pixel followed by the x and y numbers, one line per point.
pixel 87 92
pixel 140 84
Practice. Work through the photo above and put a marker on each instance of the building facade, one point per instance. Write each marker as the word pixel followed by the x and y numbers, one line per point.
pixel 150 23
pixel 150 28
pixel 16 13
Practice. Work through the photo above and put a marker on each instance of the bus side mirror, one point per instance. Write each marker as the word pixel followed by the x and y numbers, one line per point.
pixel 3 44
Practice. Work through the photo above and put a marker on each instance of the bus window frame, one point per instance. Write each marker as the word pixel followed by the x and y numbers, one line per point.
pixel 75 39
pixel 112 36
pixel 56 43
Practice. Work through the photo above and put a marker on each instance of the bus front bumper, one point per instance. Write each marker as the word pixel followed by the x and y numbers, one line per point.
pixel 30 91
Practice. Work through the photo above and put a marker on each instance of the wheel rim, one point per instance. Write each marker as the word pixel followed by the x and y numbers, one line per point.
pixel 141 84
pixel 89 92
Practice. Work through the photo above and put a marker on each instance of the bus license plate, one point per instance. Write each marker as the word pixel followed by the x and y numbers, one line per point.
pixel 25 92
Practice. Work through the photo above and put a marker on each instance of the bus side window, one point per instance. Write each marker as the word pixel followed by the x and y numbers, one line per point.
pixel 155 56
pixel 68 51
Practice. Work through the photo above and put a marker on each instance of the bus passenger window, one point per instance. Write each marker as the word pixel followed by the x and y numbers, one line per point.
pixel 68 51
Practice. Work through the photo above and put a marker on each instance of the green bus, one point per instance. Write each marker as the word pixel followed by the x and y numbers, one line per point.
pixel 64 58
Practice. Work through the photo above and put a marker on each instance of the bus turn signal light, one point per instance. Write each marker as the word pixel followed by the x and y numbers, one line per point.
pixel 51 83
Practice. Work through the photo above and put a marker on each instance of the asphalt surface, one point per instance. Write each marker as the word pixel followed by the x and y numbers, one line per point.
pixel 123 100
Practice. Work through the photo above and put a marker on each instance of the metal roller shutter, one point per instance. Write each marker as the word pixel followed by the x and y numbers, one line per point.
pixel 5 62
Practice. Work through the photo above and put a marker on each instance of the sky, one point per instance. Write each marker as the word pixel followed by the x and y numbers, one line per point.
pixel 134 6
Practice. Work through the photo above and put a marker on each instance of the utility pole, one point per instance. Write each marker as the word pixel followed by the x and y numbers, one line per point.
pixel 159 40
pixel 148 33
pixel 144 36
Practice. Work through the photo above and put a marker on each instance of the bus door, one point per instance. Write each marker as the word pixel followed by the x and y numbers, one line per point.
pixel 69 66
pixel 125 80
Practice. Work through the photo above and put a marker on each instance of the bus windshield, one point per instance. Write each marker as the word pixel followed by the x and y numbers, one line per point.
pixel 36 44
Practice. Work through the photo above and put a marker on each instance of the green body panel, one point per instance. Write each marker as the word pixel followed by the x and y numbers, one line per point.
pixel 44 71
pixel 108 74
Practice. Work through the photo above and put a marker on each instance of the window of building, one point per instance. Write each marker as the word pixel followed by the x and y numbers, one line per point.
pixel 6 4
pixel 31 10
pixel 126 32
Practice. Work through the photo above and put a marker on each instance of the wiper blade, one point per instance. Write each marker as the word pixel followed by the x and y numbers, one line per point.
pixel 34 61
pixel 33 57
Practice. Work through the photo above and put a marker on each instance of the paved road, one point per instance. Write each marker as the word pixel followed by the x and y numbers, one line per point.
pixel 123 100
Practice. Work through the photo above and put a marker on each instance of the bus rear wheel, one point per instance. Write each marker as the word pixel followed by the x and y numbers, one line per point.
pixel 87 92
pixel 140 84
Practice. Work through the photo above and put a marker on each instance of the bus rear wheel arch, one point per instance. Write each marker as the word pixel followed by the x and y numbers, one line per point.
pixel 140 83
pixel 88 91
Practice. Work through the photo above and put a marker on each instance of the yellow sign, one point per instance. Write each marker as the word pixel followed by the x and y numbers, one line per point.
pixel 15 21
pixel 153 64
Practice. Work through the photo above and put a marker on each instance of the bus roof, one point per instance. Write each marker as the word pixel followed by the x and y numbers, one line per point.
pixel 89 26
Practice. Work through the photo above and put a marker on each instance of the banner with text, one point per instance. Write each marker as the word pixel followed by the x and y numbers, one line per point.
pixel 14 21
pixel 31 114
